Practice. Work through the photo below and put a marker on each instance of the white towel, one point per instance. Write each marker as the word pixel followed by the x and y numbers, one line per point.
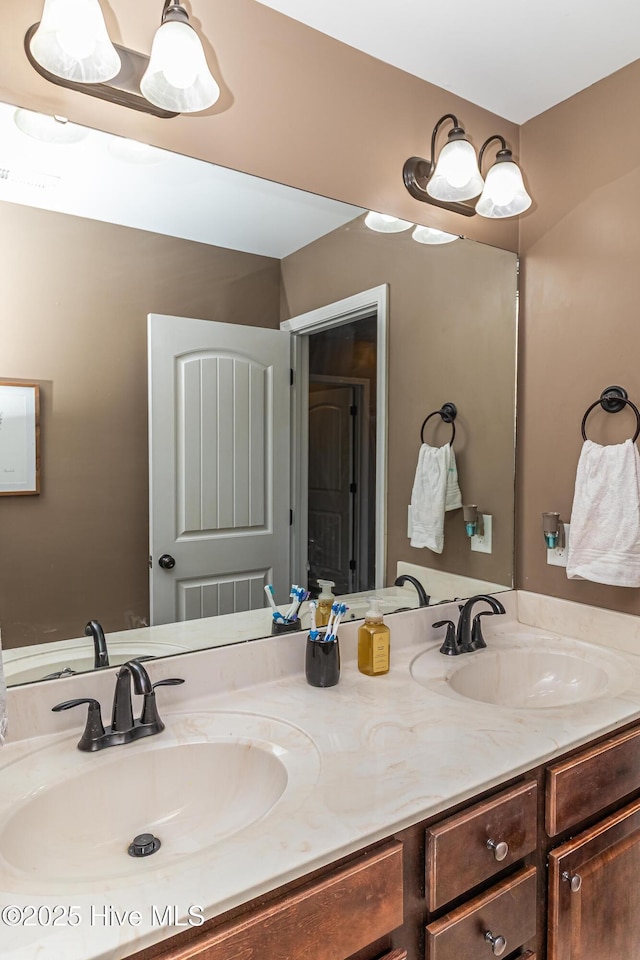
pixel 604 543
pixel 3 702
pixel 435 490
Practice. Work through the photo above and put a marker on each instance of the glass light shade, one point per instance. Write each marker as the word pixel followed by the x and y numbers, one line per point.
pixel 432 236
pixel 48 129
pixel 72 42
pixel 178 78
pixel 456 176
pixel 383 223
pixel 504 193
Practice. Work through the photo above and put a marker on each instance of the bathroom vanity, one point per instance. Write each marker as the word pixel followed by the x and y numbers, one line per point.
pixel 393 818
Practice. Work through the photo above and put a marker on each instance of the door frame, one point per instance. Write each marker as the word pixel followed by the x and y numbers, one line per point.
pixel 357 307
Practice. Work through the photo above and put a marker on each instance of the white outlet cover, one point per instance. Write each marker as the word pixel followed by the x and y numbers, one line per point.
pixel 483 544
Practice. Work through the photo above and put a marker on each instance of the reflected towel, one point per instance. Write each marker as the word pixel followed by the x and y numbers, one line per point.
pixel 604 541
pixel 435 490
pixel 3 701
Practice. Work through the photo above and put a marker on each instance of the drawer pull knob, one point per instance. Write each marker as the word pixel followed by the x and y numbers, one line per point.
pixel 574 881
pixel 498 944
pixel 500 850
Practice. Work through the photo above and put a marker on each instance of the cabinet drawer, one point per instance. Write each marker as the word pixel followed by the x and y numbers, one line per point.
pixel 457 853
pixel 506 910
pixel 329 919
pixel 580 787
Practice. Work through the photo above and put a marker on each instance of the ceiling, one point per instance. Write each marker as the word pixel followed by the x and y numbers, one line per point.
pixel 109 178
pixel 514 58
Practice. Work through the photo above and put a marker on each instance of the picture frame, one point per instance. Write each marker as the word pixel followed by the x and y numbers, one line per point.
pixel 19 438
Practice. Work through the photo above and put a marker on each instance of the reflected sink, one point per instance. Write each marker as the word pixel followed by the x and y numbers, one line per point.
pixel 526 672
pixel 214 775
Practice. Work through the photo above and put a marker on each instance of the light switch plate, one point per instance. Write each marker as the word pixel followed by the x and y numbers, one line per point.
pixel 558 556
pixel 483 544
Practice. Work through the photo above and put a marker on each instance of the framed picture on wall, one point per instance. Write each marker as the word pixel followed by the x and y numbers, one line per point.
pixel 19 438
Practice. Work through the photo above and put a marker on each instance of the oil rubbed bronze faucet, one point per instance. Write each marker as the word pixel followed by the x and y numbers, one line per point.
pixel 467 636
pixel 124 728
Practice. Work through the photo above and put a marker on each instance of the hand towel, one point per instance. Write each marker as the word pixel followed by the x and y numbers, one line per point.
pixel 604 541
pixel 435 490
pixel 3 701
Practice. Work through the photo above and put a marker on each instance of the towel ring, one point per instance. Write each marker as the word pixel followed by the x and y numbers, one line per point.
pixel 612 400
pixel 448 412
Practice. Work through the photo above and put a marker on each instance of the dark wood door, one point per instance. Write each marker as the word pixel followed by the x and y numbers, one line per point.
pixel 594 892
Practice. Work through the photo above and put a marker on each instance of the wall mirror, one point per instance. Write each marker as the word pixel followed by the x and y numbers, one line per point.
pixel 98 233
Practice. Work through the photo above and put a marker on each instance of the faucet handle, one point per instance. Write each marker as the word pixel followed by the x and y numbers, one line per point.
pixel 171 682
pixel 150 715
pixel 94 728
pixel 477 640
pixel 450 646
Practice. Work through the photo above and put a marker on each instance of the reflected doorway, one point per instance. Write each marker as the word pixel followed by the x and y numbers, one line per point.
pixel 342 456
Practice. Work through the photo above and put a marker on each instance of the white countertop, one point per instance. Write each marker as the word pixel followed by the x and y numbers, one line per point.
pixel 382 753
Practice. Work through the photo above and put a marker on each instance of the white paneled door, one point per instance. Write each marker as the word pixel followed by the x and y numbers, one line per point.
pixel 219 443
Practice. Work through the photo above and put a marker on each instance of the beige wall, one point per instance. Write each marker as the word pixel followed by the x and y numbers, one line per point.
pixel 74 298
pixel 581 332
pixel 297 106
pixel 452 337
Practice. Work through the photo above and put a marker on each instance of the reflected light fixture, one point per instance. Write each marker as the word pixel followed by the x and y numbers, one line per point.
pixel 504 193
pixel 48 129
pixel 432 236
pixel 71 47
pixel 384 223
pixel 453 178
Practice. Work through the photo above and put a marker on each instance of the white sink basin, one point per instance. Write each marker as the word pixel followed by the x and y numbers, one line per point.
pixel 203 779
pixel 526 672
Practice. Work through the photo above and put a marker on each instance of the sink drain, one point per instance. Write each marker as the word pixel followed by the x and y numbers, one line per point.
pixel 144 845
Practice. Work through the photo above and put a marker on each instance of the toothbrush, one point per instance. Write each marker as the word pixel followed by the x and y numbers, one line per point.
pixel 292 594
pixel 335 607
pixel 300 594
pixel 270 597
pixel 333 636
pixel 313 632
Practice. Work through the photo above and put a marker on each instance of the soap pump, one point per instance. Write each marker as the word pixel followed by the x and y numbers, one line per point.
pixel 373 642
pixel 325 602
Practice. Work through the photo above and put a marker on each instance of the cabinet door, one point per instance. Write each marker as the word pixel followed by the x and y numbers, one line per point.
pixel 594 893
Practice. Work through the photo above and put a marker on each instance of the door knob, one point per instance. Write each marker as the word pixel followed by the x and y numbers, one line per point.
pixel 166 561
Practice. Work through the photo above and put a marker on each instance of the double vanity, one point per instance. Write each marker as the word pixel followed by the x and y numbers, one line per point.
pixel 402 817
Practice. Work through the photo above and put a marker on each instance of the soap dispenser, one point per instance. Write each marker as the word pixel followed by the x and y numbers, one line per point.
pixel 325 602
pixel 373 642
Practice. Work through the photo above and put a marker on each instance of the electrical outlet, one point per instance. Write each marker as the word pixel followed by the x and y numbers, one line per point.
pixel 483 544
pixel 558 556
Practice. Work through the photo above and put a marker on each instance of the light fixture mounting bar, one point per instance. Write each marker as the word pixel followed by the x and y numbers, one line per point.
pixel 416 173
pixel 123 90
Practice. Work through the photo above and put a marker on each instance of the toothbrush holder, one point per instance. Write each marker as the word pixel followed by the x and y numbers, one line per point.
pixel 289 626
pixel 322 663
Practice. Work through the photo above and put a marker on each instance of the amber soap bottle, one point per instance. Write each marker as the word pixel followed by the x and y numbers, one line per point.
pixel 374 646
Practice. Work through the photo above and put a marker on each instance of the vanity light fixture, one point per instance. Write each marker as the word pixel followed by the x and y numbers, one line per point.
pixel 71 47
pixel 504 193
pixel 453 178
pixel 48 129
